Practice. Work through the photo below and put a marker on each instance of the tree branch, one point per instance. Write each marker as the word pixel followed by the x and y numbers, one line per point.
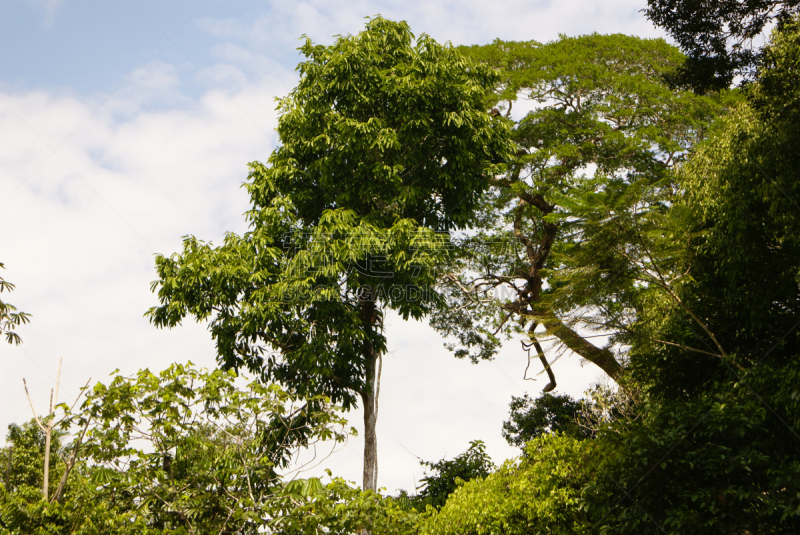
pixel 603 358
pixel 70 464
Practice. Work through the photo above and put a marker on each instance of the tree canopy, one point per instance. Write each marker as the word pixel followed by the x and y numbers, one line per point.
pixel 446 475
pixel 664 220
pixel 386 126
pixel 385 141
pixel 707 440
pixel 550 413
pixel 718 37
pixel 603 119
pixel 180 451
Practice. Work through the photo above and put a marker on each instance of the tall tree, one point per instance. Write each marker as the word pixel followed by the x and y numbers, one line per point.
pixel 716 449
pixel 709 442
pixel 385 141
pixel 602 118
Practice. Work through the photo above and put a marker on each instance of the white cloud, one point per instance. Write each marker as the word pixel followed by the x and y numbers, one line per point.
pixel 83 223
pixel 461 22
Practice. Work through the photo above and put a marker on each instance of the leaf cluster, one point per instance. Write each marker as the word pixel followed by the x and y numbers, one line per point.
pixel 448 475
pixel 181 451
pixel 708 444
pixel 389 127
pixel 547 414
pixel 539 494
pixel 10 319
pixel 718 37
pixel 341 509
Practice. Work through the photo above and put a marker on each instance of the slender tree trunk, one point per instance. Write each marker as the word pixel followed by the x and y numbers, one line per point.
pixel 370 436
pixel 369 396
pixel 48 433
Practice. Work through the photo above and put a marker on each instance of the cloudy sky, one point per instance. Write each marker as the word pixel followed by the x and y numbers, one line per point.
pixel 128 124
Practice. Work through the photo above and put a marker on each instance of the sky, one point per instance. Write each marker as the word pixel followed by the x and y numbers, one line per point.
pixel 128 124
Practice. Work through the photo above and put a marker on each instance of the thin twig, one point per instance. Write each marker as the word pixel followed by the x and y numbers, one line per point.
pixel 35 416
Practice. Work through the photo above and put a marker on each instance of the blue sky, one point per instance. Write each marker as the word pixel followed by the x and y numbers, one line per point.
pixel 127 124
pixel 90 47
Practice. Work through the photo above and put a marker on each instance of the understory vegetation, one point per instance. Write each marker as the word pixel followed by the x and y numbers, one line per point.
pixel 628 205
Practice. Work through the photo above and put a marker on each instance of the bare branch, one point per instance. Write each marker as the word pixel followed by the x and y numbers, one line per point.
pixel 62 484
pixel 35 416
pixel 80 394
pixel 58 382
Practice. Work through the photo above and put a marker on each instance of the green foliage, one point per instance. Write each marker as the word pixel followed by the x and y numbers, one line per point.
pixel 718 37
pixel 740 212
pixel 626 270
pixel 539 494
pixel 693 266
pixel 182 451
pixel 714 446
pixel 188 449
pixel 547 414
pixel 776 93
pixel 299 291
pixel 699 270
pixel 9 317
pixel 387 127
pixel 22 507
pixel 604 119
pixel 723 462
pixel 340 509
pixel 382 140
pixel 23 457
pixel 448 475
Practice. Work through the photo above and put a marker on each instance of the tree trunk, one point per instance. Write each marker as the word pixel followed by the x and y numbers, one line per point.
pixel 46 478
pixel 601 357
pixel 370 436
pixel 47 434
pixel 369 396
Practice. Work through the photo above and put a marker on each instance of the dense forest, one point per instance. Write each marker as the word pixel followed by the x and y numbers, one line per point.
pixel 649 199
